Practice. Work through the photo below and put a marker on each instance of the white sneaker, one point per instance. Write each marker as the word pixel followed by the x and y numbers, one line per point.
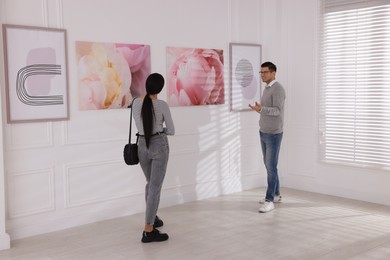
pixel 267 206
pixel 277 199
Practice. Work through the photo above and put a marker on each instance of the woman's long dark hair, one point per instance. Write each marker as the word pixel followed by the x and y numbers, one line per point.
pixel 154 84
pixel 147 118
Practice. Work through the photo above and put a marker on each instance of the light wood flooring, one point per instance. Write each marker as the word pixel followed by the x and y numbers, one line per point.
pixel 305 226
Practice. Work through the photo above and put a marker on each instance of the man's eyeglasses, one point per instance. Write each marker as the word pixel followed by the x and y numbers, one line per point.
pixel 264 72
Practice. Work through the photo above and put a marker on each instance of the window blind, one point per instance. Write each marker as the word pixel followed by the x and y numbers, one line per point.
pixel 354 96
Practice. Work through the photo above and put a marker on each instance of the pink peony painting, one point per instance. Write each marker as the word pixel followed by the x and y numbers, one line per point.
pixel 111 74
pixel 195 76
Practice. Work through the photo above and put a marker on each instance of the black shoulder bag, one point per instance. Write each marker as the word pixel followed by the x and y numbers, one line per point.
pixel 130 152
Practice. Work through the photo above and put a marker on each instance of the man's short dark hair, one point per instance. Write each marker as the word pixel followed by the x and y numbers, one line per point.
pixel 269 65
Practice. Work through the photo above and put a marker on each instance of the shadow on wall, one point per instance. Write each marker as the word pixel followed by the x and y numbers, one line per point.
pixel 213 167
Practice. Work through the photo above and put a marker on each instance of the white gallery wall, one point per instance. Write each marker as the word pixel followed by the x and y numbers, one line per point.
pixel 63 174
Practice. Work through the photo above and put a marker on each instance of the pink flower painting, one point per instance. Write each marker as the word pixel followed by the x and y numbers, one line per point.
pixel 195 76
pixel 111 74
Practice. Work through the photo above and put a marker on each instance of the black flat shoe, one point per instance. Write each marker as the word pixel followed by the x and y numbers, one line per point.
pixel 158 222
pixel 154 236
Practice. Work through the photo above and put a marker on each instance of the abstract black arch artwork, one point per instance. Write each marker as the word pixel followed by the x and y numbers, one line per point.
pixel 37 70
pixel 36 73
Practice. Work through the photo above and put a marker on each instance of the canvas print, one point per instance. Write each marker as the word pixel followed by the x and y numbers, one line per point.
pixel 195 76
pixel 111 74
pixel 36 73
pixel 245 82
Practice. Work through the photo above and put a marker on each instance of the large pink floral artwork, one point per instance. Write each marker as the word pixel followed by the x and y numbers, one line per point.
pixel 195 76
pixel 111 74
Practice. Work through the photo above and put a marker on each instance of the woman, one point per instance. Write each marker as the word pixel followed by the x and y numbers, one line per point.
pixel 150 114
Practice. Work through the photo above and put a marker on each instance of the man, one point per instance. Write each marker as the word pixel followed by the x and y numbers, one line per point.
pixel 271 110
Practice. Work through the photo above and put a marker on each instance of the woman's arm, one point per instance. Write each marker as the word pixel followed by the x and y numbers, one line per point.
pixel 170 127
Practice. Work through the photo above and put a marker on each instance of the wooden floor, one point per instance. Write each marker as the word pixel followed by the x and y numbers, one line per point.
pixel 305 226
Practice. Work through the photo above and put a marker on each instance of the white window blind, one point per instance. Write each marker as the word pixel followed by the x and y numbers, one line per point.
pixel 354 96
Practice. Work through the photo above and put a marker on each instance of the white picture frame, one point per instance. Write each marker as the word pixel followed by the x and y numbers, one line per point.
pixel 245 80
pixel 35 73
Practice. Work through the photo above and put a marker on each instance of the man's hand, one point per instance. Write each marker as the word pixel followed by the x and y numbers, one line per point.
pixel 257 107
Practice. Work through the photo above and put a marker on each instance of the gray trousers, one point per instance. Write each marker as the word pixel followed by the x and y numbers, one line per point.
pixel 154 163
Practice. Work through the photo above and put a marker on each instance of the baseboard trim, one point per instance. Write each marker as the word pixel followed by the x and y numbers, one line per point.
pixel 5 241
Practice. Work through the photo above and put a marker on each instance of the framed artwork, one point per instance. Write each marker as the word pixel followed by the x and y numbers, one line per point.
pixel 35 73
pixel 195 76
pixel 245 81
pixel 111 74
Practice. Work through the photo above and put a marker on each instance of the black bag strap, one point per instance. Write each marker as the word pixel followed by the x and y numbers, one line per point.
pixel 131 121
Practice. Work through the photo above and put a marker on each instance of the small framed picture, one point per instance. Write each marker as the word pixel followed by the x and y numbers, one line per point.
pixel 35 73
pixel 245 81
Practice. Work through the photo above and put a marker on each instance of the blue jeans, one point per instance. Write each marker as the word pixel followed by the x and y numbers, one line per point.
pixel 154 163
pixel 270 144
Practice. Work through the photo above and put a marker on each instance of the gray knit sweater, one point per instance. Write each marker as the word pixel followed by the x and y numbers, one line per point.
pixel 272 112
pixel 162 116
